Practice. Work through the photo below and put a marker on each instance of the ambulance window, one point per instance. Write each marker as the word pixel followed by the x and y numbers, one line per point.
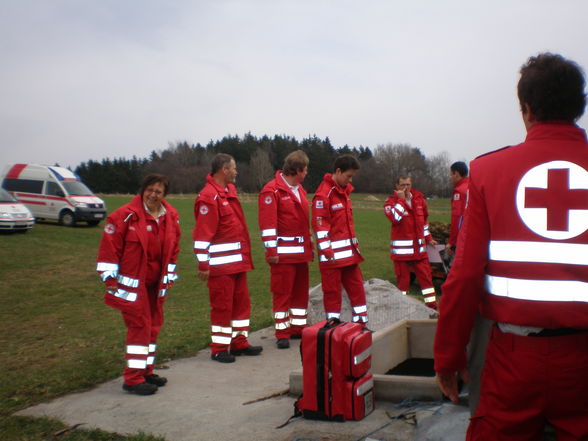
pixel 23 185
pixel 52 189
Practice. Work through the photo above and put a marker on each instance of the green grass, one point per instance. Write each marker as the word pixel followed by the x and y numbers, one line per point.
pixel 57 336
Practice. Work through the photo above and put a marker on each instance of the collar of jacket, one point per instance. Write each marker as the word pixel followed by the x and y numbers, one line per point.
pixel 462 181
pixel 555 129
pixel 229 192
pixel 343 190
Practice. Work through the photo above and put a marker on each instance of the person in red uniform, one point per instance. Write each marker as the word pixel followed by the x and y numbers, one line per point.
pixel 521 261
pixel 338 247
pixel 459 176
pixel 285 231
pixel 407 210
pixel 223 251
pixel 137 261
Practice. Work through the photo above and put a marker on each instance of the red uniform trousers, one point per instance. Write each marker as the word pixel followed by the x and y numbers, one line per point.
pixel 230 308
pixel 142 331
pixel 289 285
pixel 528 381
pixel 422 269
pixel 351 279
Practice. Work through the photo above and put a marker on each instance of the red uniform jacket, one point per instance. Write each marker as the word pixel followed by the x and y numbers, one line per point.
pixel 283 222
pixel 332 222
pixel 410 226
pixel 122 256
pixel 458 204
pixel 221 238
pixel 522 252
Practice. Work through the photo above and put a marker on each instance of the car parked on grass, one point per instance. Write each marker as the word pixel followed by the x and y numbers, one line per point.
pixel 53 193
pixel 14 215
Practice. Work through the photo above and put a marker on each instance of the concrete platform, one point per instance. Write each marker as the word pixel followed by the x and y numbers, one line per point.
pixel 205 401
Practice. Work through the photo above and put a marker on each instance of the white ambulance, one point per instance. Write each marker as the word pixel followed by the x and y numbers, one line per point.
pixel 53 193
pixel 14 216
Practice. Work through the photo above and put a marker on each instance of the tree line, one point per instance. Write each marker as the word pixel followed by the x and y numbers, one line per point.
pixel 258 159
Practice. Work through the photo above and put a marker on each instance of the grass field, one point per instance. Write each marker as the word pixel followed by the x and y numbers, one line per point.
pixel 57 336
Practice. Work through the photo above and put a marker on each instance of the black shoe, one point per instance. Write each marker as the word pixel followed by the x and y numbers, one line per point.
pixel 249 350
pixel 295 336
pixel 283 343
pixel 156 380
pixel 223 357
pixel 141 389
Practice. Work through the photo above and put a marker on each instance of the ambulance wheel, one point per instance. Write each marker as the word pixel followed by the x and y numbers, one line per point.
pixel 93 223
pixel 67 218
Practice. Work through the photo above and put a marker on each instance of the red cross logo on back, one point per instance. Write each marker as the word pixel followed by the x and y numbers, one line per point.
pixel 552 199
pixel 558 198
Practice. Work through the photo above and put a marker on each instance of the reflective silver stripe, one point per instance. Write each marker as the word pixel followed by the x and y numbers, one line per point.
pixel 128 281
pixel 290 250
pixel 221 339
pixel 429 299
pixel 269 232
pixel 426 227
pixel 198 244
pixel 280 315
pixel 221 329
pixel 270 243
pixel 105 266
pixel 125 295
pixel 339 255
pixel 136 364
pixel 152 347
pixel 107 274
pixel 150 360
pixel 322 234
pixel 421 249
pixel 298 321
pixel 539 252
pixel 221 247
pixel 340 243
pixel 297 311
pixel 402 251
pixel 403 292
pixel 202 257
pixel 172 277
pixel 164 279
pixel 365 387
pixel 226 259
pixel 401 243
pixel 171 267
pixel 538 290
pixel 359 318
pixel 331 315
pixel 282 325
pixel 359 358
pixel 428 291
pixel 360 309
pixel 240 323
pixel 162 292
pixel 137 350
pixel 324 245
pixel 243 333
pixel 421 241
pixel 399 208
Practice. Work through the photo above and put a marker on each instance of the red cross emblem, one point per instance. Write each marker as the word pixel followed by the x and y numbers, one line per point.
pixel 552 199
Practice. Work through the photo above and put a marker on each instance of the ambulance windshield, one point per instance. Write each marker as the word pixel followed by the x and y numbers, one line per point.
pixel 76 188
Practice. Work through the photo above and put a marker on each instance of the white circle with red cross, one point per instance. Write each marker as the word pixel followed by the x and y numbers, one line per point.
pixel 552 199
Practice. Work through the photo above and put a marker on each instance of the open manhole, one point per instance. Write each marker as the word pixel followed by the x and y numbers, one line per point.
pixel 416 367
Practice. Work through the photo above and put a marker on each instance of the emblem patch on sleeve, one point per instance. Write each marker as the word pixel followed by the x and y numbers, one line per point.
pixel 203 209
pixel 319 204
pixel 268 200
pixel 109 229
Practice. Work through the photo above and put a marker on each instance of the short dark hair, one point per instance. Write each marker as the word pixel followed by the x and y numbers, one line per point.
pixel 154 178
pixel 403 176
pixel 219 161
pixel 552 87
pixel 346 162
pixel 459 167
pixel 295 161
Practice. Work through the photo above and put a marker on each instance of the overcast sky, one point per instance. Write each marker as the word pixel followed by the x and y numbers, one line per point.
pixel 90 79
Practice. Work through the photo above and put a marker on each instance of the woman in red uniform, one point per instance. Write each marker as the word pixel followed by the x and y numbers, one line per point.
pixel 137 262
